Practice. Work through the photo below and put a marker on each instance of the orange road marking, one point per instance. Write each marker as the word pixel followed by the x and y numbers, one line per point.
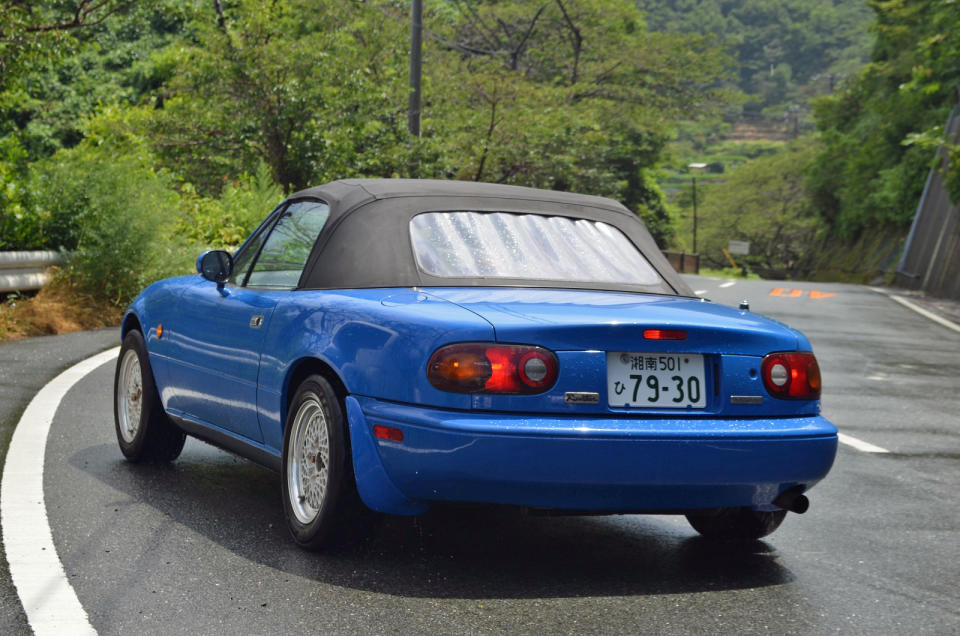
pixel 786 292
pixel 816 294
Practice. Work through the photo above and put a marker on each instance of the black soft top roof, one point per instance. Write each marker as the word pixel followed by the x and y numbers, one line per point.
pixel 366 241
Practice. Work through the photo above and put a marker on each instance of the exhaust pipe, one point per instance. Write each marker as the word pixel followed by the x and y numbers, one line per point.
pixel 793 500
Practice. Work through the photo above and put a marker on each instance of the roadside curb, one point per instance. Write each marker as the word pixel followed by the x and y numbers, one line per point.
pixel 937 311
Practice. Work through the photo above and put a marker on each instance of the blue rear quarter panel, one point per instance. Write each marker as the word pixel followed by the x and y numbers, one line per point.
pixel 377 341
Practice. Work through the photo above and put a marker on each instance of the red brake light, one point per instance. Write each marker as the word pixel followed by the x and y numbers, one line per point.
pixel 665 334
pixel 793 375
pixel 479 367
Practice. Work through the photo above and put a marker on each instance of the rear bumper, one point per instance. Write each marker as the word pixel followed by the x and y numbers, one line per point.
pixel 587 464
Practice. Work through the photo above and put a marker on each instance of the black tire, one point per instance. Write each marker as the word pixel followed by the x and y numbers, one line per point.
pixel 144 432
pixel 320 499
pixel 736 524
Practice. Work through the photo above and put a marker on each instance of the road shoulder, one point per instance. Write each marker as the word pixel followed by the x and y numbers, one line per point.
pixel 25 367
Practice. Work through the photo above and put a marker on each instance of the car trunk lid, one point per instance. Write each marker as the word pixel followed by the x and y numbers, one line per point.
pixel 564 320
pixel 585 327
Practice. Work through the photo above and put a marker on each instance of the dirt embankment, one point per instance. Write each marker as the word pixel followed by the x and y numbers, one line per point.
pixel 57 308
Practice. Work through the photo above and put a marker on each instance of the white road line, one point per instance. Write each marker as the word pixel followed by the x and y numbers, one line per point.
pixel 729 283
pixel 700 292
pixel 860 445
pixel 51 604
pixel 926 314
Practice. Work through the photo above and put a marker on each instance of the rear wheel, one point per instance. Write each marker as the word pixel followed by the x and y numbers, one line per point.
pixel 732 524
pixel 144 432
pixel 320 498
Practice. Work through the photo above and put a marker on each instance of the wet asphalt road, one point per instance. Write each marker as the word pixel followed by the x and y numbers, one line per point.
pixel 200 546
pixel 25 366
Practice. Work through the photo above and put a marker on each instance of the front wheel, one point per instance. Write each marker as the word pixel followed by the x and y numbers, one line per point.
pixel 144 432
pixel 736 524
pixel 319 492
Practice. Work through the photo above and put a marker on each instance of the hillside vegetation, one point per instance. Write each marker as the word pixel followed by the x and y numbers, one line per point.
pixel 785 51
pixel 836 200
pixel 134 134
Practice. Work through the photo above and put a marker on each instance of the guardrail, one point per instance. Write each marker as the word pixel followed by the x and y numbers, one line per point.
pixel 26 271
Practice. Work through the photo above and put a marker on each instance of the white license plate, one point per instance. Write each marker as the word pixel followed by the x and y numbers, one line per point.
pixel 656 380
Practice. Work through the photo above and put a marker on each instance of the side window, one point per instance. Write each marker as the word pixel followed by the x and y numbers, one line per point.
pixel 241 264
pixel 285 252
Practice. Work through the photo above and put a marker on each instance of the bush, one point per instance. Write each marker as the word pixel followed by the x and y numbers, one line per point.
pixel 115 217
pixel 226 222
pixel 21 227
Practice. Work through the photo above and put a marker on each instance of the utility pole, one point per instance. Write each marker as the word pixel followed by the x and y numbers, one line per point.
pixel 693 177
pixel 416 54
pixel 694 214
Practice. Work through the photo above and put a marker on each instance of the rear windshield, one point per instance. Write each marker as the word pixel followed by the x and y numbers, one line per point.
pixel 526 247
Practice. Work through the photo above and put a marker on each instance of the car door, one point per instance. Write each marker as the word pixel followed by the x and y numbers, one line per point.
pixel 222 328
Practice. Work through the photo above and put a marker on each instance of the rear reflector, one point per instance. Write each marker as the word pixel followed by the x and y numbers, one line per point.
pixel 665 334
pixel 388 433
pixel 486 367
pixel 791 375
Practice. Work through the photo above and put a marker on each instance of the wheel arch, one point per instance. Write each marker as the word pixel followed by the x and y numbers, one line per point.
pixel 300 371
pixel 130 322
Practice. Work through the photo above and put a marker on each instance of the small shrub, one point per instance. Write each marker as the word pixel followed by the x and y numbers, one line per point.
pixel 227 221
pixel 21 226
pixel 116 217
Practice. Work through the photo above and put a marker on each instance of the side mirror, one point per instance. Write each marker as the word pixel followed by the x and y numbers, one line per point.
pixel 216 266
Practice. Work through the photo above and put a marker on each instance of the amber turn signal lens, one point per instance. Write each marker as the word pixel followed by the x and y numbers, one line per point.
pixel 481 367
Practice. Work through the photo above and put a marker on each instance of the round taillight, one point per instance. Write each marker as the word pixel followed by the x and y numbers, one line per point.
pixel 791 375
pixel 479 367
pixel 537 368
pixel 779 374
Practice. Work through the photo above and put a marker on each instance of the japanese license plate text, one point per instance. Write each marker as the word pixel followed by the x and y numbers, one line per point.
pixel 655 380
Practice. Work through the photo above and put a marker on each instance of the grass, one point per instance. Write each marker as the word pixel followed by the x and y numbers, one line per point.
pixel 57 308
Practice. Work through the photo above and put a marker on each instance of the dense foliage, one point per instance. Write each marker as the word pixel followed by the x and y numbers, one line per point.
pixel 857 181
pixel 765 203
pixel 882 130
pixel 134 133
pixel 786 51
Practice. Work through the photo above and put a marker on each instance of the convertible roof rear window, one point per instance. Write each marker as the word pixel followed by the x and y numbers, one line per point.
pixel 506 245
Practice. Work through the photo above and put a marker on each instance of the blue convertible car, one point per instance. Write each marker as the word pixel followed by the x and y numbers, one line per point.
pixel 387 344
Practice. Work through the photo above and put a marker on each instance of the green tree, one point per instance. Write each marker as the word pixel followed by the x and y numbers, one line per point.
pixel 869 173
pixel 34 33
pixel 572 95
pixel 764 202
pixel 786 51
pixel 315 91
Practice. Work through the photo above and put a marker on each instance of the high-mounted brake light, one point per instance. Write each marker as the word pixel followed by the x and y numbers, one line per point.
pixel 665 334
pixel 791 375
pixel 486 367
